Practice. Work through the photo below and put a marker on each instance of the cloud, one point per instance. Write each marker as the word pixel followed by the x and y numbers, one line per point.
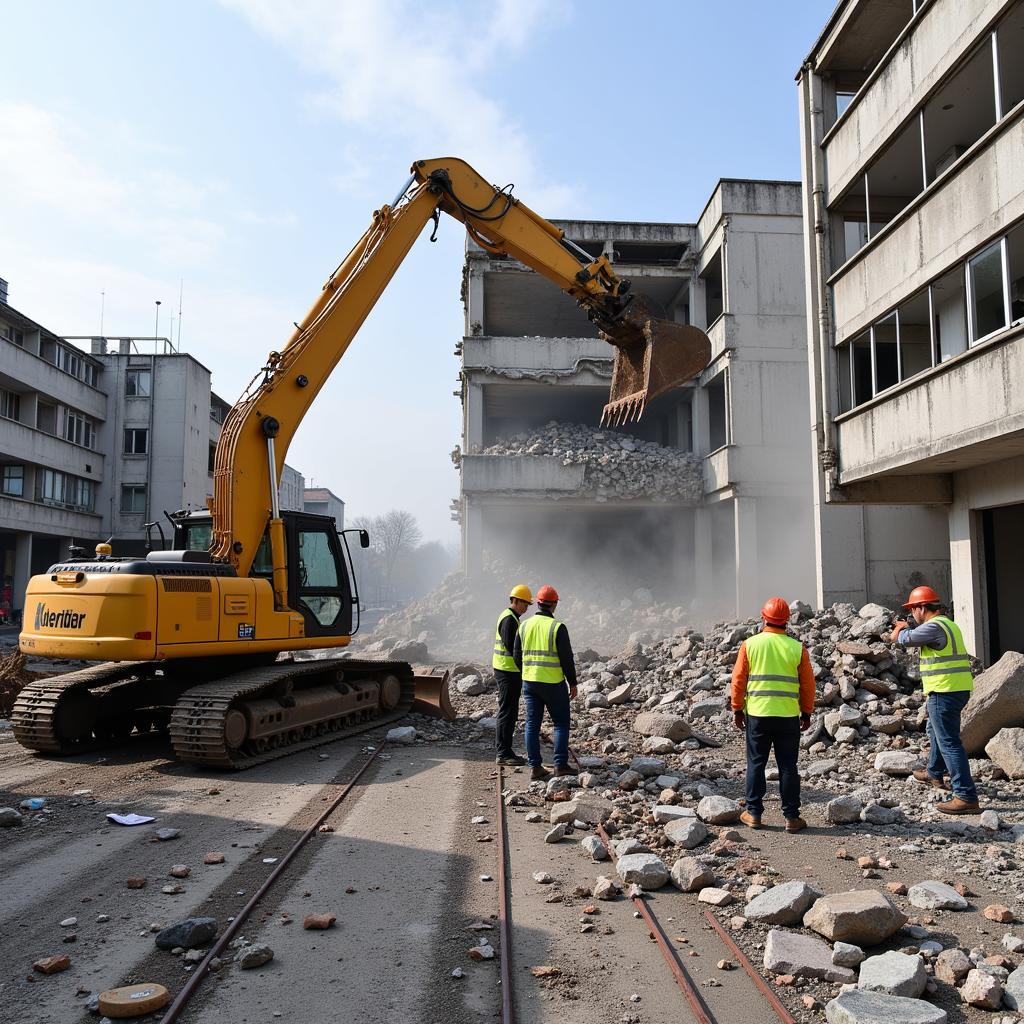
pixel 424 80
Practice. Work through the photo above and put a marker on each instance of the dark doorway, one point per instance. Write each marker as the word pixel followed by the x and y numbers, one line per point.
pixel 1003 530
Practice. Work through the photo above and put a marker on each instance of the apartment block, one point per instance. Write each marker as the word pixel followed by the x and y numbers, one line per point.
pixel 529 356
pixel 322 501
pixel 912 128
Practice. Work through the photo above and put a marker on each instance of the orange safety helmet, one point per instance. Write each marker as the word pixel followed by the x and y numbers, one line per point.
pixel 922 595
pixel 547 595
pixel 775 611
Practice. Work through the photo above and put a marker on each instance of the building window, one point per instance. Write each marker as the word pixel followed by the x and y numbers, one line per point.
pixel 12 481
pixel 885 336
pixel 78 429
pixel 8 332
pixel 949 314
pixel 10 405
pixel 90 374
pixel 56 488
pixel 137 383
pixel 1015 271
pixel 133 498
pixel 1009 37
pixel 212 459
pixel 46 418
pixel 915 335
pixel 718 419
pixel 988 305
pixel 136 441
pixel 862 374
pixel 713 289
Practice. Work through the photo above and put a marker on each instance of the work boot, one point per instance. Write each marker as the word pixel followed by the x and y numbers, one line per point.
pixel 795 824
pixel 922 776
pixel 958 806
pixel 750 820
pixel 539 774
pixel 510 760
pixel 563 771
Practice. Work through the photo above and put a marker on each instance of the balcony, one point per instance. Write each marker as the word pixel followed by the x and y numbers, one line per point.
pixel 963 413
pixel 20 514
pixel 33 373
pixel 942 34
pixel 22 443
pixel 535 357
pixel 717 470
pixel 536 476
pixel 954 217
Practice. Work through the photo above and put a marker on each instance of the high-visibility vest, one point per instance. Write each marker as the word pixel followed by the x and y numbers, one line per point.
pixel 773 683
pixel 540 656
pixel 502 658
pixel 946 669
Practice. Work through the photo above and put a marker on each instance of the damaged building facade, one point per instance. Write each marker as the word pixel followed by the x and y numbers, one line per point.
pixel 706 501
pixel 913 127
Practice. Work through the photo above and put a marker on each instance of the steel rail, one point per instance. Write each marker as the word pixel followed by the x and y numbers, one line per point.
pixel 504 908
pixel 776 1004
pixel 190 987
pixel 668 951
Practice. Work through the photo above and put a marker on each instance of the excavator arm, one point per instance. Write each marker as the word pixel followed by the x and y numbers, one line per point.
pixel 652 355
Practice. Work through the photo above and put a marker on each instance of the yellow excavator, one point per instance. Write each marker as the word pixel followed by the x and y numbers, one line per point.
pixel 199 639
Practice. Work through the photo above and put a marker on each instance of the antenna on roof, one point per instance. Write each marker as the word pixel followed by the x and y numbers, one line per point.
pixel 103 303
pixel 181 292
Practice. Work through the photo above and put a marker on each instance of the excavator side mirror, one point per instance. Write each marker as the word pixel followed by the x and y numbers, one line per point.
pixel 364 538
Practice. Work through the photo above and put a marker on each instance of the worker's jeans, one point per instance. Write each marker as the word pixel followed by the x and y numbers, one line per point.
pixel 762 735
pixel 510 685
pixel 947 751
pixel 554 697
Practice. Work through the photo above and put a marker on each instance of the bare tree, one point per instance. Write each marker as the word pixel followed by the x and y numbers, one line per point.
pixel 398 535
pixel 395 544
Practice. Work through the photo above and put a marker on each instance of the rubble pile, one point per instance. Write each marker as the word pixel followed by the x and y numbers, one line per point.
pixel 456 620
pixel 660 764
pixel 615 465
pixel 13 676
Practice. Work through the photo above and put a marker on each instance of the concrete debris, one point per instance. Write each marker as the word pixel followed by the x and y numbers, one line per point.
pixel 896 762
pixel 933 895
pixel 179 871
pixel 643 869
pixel 843 810
pixel 687 833
pixel 593 846
pixel 861 1007
pixel 404 734
pixel 614 465
pixel 1013 994
pixel 165 834
pixel 215 857
pixel 803 956
pixel 782 904
pixel 862 916
pixel 251 957
pixel 484 951
pixel 952 966
pixel 983 990
pixel 845 954
pixel 542 878
pixel 557 834
pixel 715 896
pixel 1006 748
pixel 718 810
pixel 606 888
pixel 10 817
pixel 999 913
pixel 996 703
pixel 194 931
pixel 895 974
pixel 319 922
pixel 657 723
pixel 691 875
pixel 52 964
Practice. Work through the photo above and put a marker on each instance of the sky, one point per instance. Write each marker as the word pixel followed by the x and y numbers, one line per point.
pixel 234 151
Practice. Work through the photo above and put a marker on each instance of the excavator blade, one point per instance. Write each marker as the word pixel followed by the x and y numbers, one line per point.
pixel 652 356
pixel 432 695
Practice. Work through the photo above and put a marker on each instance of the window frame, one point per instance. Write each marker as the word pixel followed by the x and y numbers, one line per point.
pixel 136 490
pixel 135 431
pixel 135 373
pixel 7 474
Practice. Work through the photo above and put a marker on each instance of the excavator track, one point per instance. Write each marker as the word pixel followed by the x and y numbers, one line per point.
pixel 58 715
pixel 205 716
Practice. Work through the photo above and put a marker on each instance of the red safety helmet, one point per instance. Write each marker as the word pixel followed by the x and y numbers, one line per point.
pixel 547 595
pixel 922 595
pixel 775 611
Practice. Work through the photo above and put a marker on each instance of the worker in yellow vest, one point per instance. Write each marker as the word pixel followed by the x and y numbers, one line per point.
pixel 507 675
pixel 772 700
pixel 948 682
pixel 544 654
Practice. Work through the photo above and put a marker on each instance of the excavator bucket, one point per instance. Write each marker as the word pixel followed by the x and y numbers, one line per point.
pixel 652 356
pixel 432 695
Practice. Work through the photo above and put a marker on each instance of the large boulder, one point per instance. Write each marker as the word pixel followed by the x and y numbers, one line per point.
pixel 803 956
pixel 862 916
pixel 659 723
pixel 997 702
pixel 782 904
pixel 643 869
pixel 192 932
pixel 895 974
pixel 1013 994
pixel 860 1007
pixel 587 807
pixel 896 762
pixel 1006 748
pixel 686 832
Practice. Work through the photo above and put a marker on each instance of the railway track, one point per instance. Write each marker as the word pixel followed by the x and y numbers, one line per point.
pixel 697 1006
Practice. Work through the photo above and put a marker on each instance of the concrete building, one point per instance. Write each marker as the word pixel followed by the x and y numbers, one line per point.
pixel 529 356
pixel 52 411
pixel 913 127
pixel 322 501
pixel 94 445
pixel 291 490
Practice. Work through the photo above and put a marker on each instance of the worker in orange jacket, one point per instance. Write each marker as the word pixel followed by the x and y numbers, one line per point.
pixel 772 701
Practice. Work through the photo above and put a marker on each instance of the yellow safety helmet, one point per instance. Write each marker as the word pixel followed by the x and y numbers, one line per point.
pixel 521 592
